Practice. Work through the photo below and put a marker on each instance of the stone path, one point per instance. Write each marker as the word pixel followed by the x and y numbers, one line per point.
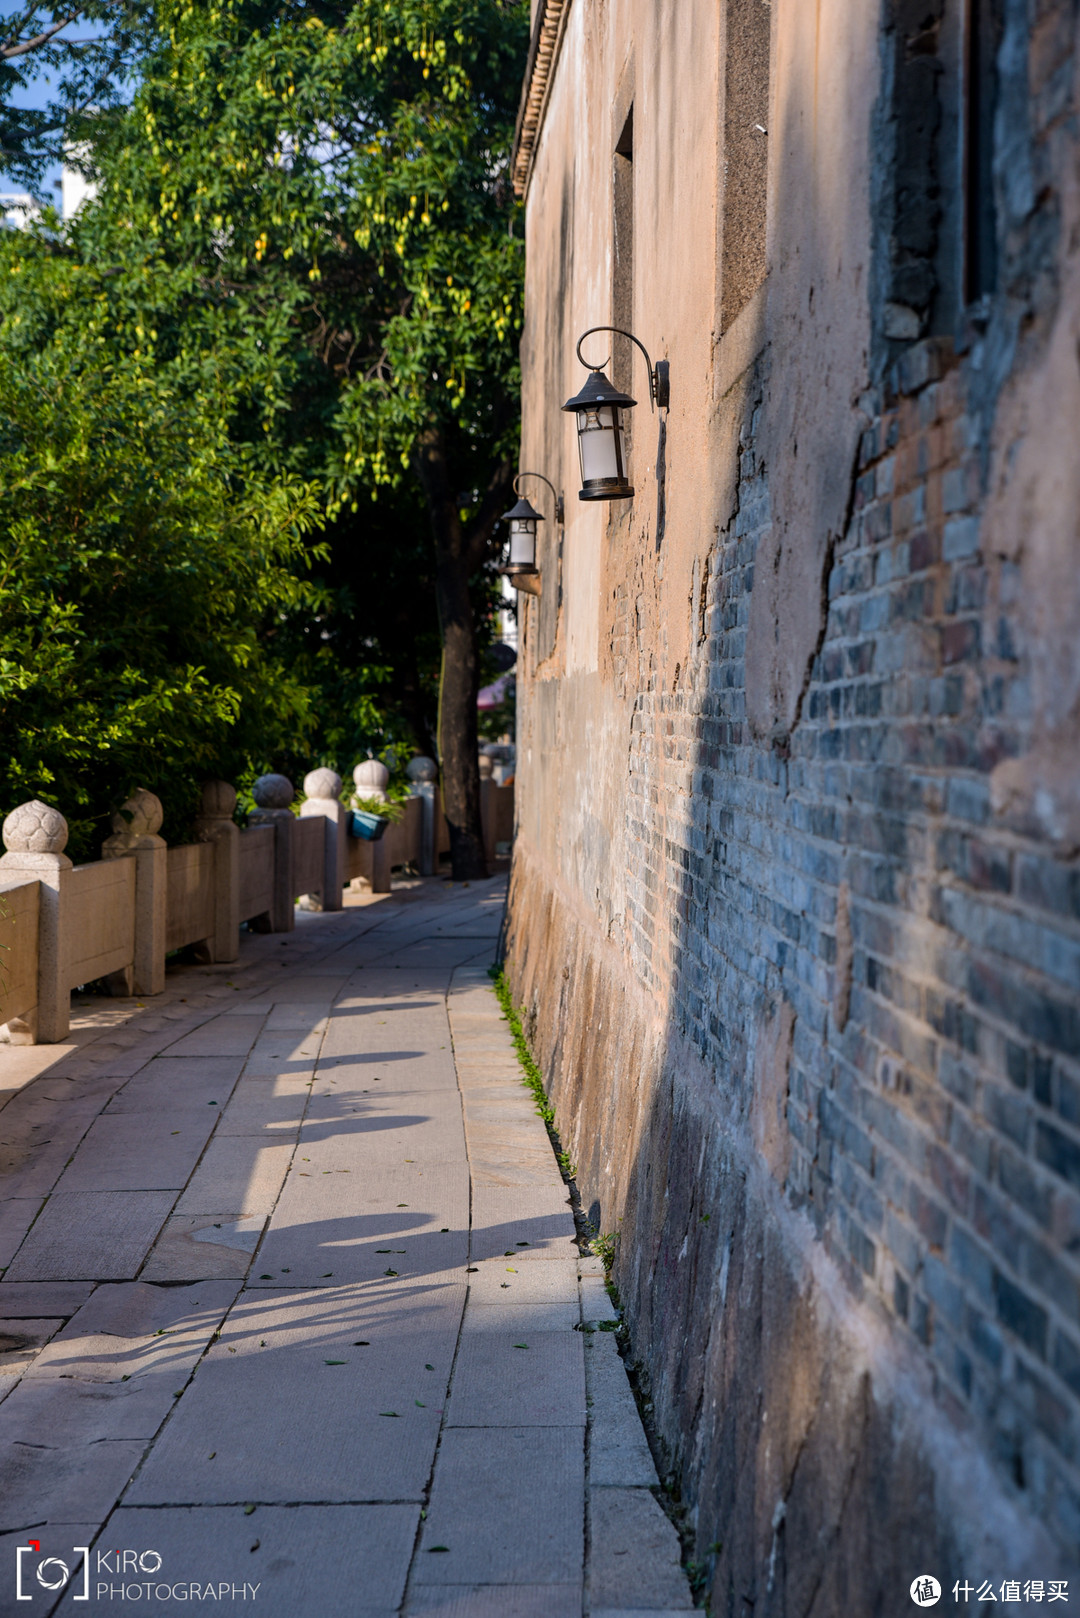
pixel 293 1309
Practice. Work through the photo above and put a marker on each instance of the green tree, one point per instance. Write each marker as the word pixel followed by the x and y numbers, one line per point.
pixel 329 185
pixel 87 49
pixel 146 562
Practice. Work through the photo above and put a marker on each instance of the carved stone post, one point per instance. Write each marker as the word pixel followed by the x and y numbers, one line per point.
pixel 371 780
pixel 135 827
pixel 35 837
pixel 216 825
pixel 273 794
pixel 424 773
pixel 322 796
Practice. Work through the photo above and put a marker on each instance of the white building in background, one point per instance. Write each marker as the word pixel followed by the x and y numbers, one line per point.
pixel 75 188
pixel 18 209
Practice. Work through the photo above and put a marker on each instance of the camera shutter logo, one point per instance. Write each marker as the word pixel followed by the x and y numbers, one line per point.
pixel 52 1572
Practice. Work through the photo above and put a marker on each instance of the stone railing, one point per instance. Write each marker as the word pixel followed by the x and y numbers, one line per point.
pixel 62 925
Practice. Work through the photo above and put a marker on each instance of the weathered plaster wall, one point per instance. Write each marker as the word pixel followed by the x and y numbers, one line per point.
pixel 796 907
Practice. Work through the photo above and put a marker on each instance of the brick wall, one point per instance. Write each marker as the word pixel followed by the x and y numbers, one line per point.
pixel 812 1022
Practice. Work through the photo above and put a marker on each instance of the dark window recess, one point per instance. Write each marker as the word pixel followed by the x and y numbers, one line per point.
pixel 746 154
pixel 916 213
pixel 980 223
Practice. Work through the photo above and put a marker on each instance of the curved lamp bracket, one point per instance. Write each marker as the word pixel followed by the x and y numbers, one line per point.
pixel 551 486
pixel 659 385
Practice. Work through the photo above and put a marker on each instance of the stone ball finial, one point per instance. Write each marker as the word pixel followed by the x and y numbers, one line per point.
pixel 218 800
pixel 422 769
pixel 322 784
pixel 486 766
pixel 34 828
pixel 140 816
pixel 273 792
pixel 371 777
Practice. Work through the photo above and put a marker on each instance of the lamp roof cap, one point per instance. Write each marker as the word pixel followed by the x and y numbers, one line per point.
pixel 523 509
pixel 598 390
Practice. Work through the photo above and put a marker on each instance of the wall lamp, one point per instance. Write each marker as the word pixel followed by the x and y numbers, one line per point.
pixel 600 430
pixel 523 518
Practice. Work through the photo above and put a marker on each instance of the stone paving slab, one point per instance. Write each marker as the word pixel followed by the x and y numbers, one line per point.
pixel 138 1152
pixel 499 1280
pixel 91 1235
pixel 619 1452
pixel 238 1171
pixel 634 1550
pixel 495 1601
pixel 508 1503
pixel 503 1379
pixel 191 1248
pixel 42 1297
pixel 178 1082
pixel 17 1214
pixel 232 1035
pixel 268 1378
pixel 342 1561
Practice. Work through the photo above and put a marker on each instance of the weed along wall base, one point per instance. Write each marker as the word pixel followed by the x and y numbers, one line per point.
pixel 793 916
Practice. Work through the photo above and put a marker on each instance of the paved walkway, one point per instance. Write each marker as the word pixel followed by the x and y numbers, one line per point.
pixel 293 1313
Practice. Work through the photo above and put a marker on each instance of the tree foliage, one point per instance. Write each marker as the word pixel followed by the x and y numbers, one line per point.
pixel 87 49
pixel 331 183
pixel 145 565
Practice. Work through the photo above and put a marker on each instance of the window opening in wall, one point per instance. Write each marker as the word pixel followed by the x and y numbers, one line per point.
pixel 746 154
pixel 981 91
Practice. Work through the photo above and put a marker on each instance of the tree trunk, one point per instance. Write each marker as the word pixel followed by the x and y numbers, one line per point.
pixel 459 742
pixel 458 555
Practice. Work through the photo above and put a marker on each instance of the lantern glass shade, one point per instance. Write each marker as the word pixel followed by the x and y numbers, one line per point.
pixel 522 544
pixel 601 445
pixel 522 519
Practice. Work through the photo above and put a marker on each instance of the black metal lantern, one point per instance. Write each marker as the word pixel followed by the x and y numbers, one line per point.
pixel 599 407
pixel 523 519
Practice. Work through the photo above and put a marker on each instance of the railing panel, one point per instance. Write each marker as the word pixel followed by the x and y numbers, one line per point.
pixel 19 905
pixel 256 871
pixel 99 927
pixel 309 855
pixel 190 890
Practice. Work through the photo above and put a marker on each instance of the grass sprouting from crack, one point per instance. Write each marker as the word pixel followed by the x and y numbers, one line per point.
pixel 533 1078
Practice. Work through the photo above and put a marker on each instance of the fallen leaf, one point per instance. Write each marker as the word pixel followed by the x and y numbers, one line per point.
pixel 362 1342
pixel 335 1362
pixel 521 1345
pixel 174 1132
pixel 510 1270
pixel 387 1412
pixel 438 1547
pixel 420 1404
pixel 472 1270
pixel 232 1351
pixel 211 1455
pixel 266 1278
pixel 445 1231
pixel 248 1510
pixel 429 1367
pixel 384 1250
pixel 327 1276
pixel 390 1272
pixel 522 1244
pixel 403 1204
pixel 256 1545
